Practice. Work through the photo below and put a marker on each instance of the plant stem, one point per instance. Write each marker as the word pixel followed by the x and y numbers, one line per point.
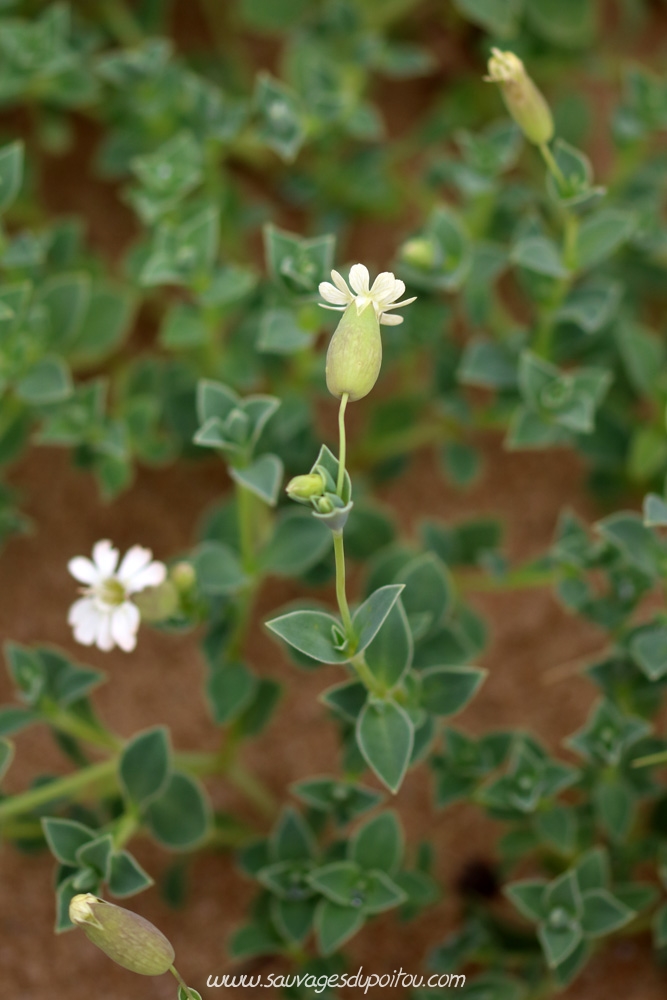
pixel 70 785
pixel 342 444
pixel 121 22
pixel 553 167
pixel 67 722
pixel 519 579
pixel 181 982
pixel 341 595
pixel 244 506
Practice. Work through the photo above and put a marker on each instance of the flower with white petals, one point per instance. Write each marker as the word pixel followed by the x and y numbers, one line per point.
pixel 105 615
pixel 382 295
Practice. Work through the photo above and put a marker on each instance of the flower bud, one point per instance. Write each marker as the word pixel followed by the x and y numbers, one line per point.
pixel 305 487
pixel 523 100
pixel 156 604
pixel 355 353
pixel 420 252
pixel 183 576
pixel 128 939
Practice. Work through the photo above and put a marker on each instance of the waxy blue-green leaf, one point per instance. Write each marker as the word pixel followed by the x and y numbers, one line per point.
pixel 299 541
pixel 47 381
pixel 229 690
pixel 65 837
pixel 335 924
pixel 379 843
pixel 6 756
pixel 447 690
pixel 145 765
pixel 385 736
pixel 11 173
pixel 218 569
pixel 262 477
pixel 127 877
pixel 389 655
pixel 180 817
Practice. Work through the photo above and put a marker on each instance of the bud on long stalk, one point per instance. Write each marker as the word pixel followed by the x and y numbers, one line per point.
pixel 355 353
pixel 523 100
pixel 128 939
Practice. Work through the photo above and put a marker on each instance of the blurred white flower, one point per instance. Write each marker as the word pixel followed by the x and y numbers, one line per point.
pixel 105 616
pixel 386 289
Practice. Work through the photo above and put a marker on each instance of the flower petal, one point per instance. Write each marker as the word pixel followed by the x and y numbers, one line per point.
pixel 384 287
pixel 85 617
pixel 333 308
pixel 105 558
pixel 359 279
pixel 152 576
pixel 333 294
pixel 388 319
pixel 124 624
pixel 341 284
pixel 83 570
pixel 134 560
pixel 399 305
pixel 104 639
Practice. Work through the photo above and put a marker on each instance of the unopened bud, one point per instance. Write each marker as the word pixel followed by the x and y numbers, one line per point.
pixel 324 505
pixel 305 487
pixel 128 939
pixel 523 100
pixel 183 576
pixel 355 353
pixel 420 252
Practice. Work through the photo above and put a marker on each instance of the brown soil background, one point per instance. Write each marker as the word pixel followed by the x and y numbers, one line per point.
pixel 161 683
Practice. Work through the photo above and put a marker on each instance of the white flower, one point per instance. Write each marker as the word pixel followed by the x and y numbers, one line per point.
pixel 105 616
pixel 386 289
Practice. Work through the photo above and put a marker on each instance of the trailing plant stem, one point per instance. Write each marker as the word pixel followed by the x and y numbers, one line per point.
pixel 181 982
pixel 68 787
pixel 342 444
pixel 341 595
pixel 553 167
pixel 245 504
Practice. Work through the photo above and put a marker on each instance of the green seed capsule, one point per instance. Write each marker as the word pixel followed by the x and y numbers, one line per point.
pixel 305 487
pixel 128 939
pixel 355 353
pixel 523 100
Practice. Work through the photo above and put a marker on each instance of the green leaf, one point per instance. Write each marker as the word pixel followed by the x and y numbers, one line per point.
pixel 639 546
pixel 262 477
pixel 603 913
pixel 181 816
pixel 615 807
pixel 570 23
pixel 145 765
pixel 340 881
pixel 253 940
pixel 541 255
pixel 292 839
pixel 447 690
pixel 14 718
pixel 311 632
pixel 528 897
pixel 48 381
pixel 96 854
pixel 334 925
pixel 558 942
pixel 346 699
pixel 649 650
pixel 11 173
pixel 592 305
pixel 298 542
pixel 258 713
pixel 500 17
pixel 293 917
pixel 389 655
pixel 127 877
pixel 660 927
pixel 229 689
pixel 281 125
pixel 592 870
pixel 370 616
pixel 65 837
pixel 381 893
pixel 188 994
pixel 218 569
pixel 600 235
pixel 280 333
pixel 655 511
pixel 183 328
pixel 385 736
pixel 65 297
pixel 428 592
pixel 379 843
pixel 6 756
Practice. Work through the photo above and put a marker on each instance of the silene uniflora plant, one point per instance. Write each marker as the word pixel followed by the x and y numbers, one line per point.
pixel 535 309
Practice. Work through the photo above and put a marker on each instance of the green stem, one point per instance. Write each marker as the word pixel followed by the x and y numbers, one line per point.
pixel 121 22
pixel 342 444
pixel 519 579
pixel 181 982
pixel 341 595
pixel 553 167
pixel 67 722
pixel 244 505
pixel 252 788
pixel 68 787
